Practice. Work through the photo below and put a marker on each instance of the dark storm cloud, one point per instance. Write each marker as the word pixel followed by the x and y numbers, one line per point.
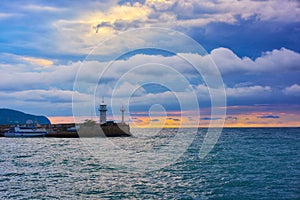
pixel 174 119
pixel 269 117
pixel 209 118
pixel 248 37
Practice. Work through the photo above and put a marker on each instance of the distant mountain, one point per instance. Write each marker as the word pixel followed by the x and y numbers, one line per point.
pixel 8 116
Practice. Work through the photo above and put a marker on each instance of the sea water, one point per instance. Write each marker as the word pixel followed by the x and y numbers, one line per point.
pixel 245 163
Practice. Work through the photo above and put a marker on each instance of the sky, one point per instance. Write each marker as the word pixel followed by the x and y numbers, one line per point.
pixel 61 58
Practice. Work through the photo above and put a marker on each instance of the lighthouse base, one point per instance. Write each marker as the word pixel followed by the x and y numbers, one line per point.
pixel 107 129
pixel 115 129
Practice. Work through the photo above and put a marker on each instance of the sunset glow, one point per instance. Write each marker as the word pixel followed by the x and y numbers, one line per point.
pixel 58 56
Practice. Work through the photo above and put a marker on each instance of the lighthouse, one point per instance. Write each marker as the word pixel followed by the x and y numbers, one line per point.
pixel 102 109
pixel 122 110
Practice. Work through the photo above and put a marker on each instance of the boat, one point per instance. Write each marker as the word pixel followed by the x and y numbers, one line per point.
pixel 25 131
pixel 73 128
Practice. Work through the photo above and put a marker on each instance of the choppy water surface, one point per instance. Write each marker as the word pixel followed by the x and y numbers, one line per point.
pixel 245 163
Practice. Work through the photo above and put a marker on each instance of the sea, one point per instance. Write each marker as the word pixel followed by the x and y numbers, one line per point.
pixel 243 163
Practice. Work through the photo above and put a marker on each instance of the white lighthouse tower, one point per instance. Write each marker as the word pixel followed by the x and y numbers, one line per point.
pixel 102 109
pixel 122 110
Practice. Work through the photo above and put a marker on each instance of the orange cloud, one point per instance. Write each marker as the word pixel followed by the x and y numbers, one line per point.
pixel 37 61
pixel 40 62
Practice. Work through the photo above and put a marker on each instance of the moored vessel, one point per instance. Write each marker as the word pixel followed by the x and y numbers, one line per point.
pixel 25 131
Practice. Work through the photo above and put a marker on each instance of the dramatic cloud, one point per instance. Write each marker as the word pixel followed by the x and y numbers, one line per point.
pixel 254 44
pixel 92 23
pixel 173 119
pixel 269 117
pixel 33 77
pixel 274 61
pixel 199 13
pixel 293 90
pixel 123 17
pixel 29 61
pixel 73 28
pixel 124 79
pixel 50 102
pixel 247 91
pixel 209 118
pixel 231 118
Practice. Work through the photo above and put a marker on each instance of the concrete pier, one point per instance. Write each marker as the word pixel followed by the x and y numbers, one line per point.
pixel 70 131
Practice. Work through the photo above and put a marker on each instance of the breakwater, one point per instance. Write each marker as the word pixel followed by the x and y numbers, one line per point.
pixel 74 130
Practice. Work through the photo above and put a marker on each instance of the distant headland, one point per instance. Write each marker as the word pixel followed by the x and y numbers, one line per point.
pixel 10 116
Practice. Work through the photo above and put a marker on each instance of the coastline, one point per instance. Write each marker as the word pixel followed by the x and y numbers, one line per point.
pixel 97 130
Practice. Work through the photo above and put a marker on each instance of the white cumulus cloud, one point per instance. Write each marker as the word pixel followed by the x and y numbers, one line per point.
pixel 293 90
pixel 253 91
pixel 273 61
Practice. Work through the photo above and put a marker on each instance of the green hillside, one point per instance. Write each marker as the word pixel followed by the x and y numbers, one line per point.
pixel 9 116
